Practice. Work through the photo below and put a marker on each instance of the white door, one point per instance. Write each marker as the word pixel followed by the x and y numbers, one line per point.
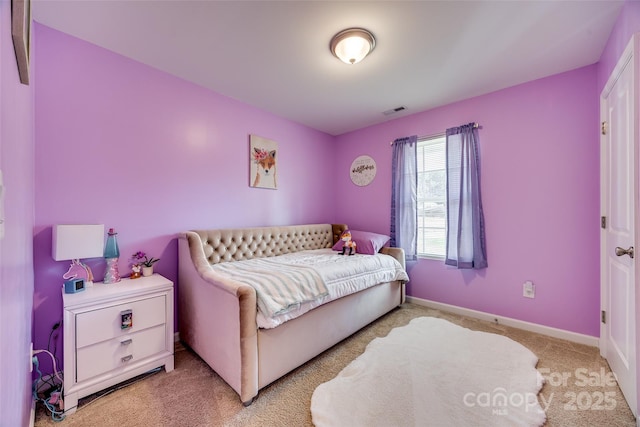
pixel 618 204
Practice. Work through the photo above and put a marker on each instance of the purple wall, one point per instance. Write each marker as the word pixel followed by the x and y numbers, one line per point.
pixel 540 187
pixel 627 24
pixel 125 145
pixel 16 263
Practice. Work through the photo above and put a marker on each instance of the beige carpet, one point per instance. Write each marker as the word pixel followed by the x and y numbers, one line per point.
pixel 193 395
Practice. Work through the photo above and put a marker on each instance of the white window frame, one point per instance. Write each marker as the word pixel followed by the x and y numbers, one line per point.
pixel 439 203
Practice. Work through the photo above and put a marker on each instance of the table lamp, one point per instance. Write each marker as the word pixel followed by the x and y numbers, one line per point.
pixel 73 242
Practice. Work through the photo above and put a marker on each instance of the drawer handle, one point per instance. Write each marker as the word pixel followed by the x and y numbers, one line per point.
pixel 126 342
pixel 127 358
pixel 126 319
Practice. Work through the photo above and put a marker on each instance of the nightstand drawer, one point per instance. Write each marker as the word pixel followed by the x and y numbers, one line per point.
pixel 119 352
pixel 106 323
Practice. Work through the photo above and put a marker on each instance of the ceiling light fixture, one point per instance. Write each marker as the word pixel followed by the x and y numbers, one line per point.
pixel 352 45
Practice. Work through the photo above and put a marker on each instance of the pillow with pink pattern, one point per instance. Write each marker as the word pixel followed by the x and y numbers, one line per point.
pixel 367 243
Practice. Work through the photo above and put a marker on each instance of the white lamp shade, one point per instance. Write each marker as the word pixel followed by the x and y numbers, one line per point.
pixel 77 241
pixel 352 50
pixel 352 45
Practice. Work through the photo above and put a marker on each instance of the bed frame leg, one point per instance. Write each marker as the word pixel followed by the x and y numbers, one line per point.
pixel 248 403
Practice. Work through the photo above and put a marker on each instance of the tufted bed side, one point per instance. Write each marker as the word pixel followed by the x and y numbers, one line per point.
pixel 237 244
pixel 217 316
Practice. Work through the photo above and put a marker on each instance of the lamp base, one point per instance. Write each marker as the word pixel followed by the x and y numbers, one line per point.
pixel 112 275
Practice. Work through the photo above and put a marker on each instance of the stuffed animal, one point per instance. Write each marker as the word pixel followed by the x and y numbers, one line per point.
pixel 348 243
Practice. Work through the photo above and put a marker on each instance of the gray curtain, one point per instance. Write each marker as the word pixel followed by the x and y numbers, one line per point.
pixel 404 207
pixel 466 247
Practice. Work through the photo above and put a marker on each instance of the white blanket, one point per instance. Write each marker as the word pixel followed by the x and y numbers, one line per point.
pixel 280 287
pixel 342 275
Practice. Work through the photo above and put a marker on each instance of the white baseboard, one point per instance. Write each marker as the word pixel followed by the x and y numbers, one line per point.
pixel 520 324
pixel 32 418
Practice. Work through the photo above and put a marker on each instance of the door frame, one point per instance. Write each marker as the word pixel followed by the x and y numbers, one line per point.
pixel 630 53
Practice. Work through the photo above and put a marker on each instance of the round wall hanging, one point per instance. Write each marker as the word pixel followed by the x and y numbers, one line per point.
pixel 363 170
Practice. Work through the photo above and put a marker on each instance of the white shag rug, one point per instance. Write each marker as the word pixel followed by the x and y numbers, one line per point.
pixel 434 373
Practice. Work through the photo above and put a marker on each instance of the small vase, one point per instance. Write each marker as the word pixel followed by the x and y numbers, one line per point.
pixel 147 271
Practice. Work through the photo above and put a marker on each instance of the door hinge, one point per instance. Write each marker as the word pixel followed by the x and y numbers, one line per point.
pixel 604 128
pixel 603 317
pixel 603 222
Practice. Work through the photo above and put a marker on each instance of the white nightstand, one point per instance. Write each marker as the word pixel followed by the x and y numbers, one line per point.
pixel 98 351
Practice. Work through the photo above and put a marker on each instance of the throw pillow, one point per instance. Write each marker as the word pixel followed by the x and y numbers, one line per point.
pixel 367 242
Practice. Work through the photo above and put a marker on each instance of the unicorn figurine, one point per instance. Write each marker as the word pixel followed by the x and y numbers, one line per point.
pixel 348 243
pixel 78 270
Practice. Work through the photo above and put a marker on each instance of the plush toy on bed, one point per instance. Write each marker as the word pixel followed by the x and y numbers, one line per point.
pixel 348 243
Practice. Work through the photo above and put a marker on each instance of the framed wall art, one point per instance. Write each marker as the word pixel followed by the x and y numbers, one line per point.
pixel 262 162
pixel 21 35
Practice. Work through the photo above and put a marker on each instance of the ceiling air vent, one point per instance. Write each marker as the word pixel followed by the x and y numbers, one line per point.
pixel 394 110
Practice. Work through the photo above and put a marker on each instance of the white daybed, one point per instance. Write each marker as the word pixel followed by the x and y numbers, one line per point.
pixel 218 316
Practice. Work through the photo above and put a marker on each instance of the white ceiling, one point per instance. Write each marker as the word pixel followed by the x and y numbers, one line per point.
pixel 275 54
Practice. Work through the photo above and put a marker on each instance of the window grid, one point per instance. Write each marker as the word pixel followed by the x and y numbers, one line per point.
pixel 431 201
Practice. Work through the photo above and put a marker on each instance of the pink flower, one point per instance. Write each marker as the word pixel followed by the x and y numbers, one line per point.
pixel 259 154
pixel 142 258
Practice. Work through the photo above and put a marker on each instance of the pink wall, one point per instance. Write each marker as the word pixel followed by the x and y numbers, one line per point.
pixel 125 145
pixel 16 264
pixel 627 24
pixel 540 186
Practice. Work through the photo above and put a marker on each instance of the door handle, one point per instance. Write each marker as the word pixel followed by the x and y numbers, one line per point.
pixel 620 251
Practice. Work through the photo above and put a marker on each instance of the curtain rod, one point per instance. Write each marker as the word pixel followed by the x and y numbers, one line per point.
pixel 475 126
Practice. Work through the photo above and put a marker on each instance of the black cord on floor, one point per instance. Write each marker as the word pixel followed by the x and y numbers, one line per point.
pixel 122 385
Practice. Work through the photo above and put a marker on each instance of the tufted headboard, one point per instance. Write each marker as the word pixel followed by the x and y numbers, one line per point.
pixel 236 244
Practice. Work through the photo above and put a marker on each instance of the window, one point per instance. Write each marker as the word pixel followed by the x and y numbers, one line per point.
pixel 432 193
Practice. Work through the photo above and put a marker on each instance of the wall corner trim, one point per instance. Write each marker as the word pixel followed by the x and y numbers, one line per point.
pixel 32 417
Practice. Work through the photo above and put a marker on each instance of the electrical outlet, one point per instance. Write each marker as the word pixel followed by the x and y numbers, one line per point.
pixel 528 289
pixel 31 357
